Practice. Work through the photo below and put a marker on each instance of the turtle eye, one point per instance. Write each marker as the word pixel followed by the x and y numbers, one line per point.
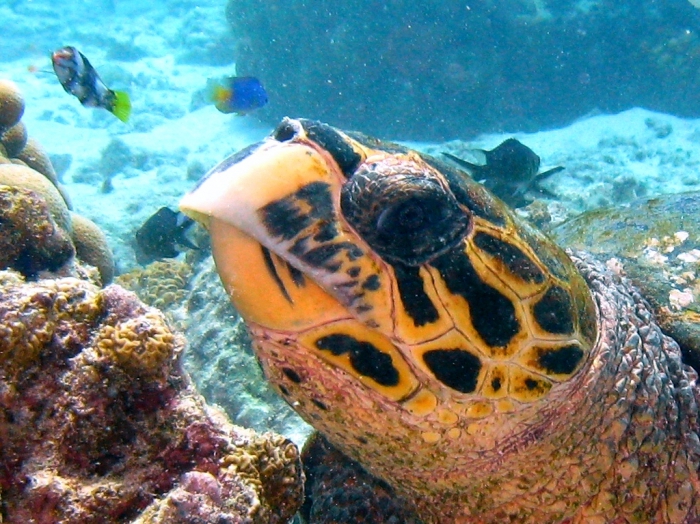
pixel 404 216
pixel 409 216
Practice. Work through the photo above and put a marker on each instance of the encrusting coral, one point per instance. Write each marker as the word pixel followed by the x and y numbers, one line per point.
pixel 98 422
pixel 25 164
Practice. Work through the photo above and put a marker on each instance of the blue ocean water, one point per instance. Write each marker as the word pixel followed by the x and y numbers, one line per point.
pixel 608 89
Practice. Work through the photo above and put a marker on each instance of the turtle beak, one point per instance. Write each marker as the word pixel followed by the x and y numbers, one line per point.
pixel 273 215
pixel 240 187
pixel 256 205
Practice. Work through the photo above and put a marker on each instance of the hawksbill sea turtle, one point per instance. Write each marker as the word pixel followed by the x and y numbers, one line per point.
pixel 446 345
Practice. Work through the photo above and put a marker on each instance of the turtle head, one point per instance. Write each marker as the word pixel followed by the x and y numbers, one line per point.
pixel 375 279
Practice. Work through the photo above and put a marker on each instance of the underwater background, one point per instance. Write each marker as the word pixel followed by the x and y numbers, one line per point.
pixel 608 89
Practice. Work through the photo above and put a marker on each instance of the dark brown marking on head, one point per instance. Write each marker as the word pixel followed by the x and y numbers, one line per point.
pixel 548 254
pixel 365 357
pixel 492 314
pixel 287 217
pixel 327 231
pixel 371 283
pixel 320 405
pixel 560 361
pixel 456 368
pixel 415 300
pixel 270 266
pixel 325 255
pixel 553 312
pixel 333 142
pixel 496 383
pixel 297 276
pixel 531 384
pixel 512 257
pixel 292 375
pixel 353 271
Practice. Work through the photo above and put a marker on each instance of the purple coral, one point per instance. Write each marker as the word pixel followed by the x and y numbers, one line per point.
pixel 87 439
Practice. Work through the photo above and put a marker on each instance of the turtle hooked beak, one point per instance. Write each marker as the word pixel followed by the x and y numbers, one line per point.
pixel 276 227
pixel 238 188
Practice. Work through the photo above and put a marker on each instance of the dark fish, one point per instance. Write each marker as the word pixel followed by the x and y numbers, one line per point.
pixel 236 94
pixel 510 171
pixel 79 78
pixel 163 235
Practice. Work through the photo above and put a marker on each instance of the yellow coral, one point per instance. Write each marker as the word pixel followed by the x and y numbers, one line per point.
pixel 142 346
pixel 36 313
pixel 162 284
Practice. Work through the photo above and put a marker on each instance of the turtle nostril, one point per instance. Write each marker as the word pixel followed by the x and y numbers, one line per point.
pixel 286 130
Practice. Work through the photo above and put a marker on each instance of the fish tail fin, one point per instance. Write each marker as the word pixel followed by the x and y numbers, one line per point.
pixel 220 95
pixel 122 106
pixel 216 92
pixel 461 162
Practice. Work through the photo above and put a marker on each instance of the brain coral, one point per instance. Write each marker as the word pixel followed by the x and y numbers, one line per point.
pixel 14 139
pixel 161 284
pixel 91 246
pixel 22 176
pixel 90 440
pixel 30 240
pixel 11 104
pixel 33 155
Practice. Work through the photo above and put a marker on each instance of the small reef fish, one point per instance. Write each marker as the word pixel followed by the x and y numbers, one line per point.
pixel 510 171
pixel 79 78
pixel 163 235
pixel 236 94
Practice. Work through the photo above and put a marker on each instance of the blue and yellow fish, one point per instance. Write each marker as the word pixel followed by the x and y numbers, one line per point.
pixel 236 94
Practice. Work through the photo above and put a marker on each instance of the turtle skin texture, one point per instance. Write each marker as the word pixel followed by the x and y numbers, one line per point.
pixel 443 345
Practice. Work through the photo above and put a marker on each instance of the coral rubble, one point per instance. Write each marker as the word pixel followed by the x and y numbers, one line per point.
pixel 98 422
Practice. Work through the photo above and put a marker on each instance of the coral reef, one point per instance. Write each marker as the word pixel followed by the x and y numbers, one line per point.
pixel 30 239
pixel 161 284
pixel 25 164
pixel 11 104
pixel 25 177
pixel 100 424
pixel 91 246
pixel 34 156
pixel 218 357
